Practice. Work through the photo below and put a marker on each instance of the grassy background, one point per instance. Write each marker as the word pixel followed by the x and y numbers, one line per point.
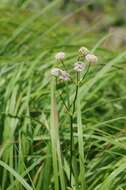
pixel 34 152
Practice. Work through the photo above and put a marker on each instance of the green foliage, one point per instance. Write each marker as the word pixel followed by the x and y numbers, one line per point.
pixel 34 126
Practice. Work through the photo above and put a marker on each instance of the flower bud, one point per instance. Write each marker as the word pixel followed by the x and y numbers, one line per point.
pixel 83 51
pixel 60 56
pixel 91 58
pixel 79 66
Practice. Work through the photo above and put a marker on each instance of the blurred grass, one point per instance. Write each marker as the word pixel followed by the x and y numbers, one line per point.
pixel 29 156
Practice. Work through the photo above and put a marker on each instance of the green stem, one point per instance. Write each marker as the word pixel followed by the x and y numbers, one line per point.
pixel 63 65
pixel 85 73
pixel 71 129
pixel 71 146
pixel 63 101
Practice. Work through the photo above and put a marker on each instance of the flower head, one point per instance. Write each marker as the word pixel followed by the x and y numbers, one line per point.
pixel 83 51
pixel 55 72
pixel 79 66
pixel 60 56
pixel 64 75
pixel 91 58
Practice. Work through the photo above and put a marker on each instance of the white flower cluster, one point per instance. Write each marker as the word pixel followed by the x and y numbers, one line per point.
pixel 78 66
pixel 60 56
pixel 91 58
pixel 83 51
pixel 63 75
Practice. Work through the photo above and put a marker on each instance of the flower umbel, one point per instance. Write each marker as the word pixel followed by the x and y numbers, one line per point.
pixel 79 66
pixel 91 58
pixel 60 56
pixel 55 72
pixel 64 75
pixel 83 51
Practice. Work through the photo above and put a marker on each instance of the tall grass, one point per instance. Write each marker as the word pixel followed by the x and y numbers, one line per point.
pixel 34 125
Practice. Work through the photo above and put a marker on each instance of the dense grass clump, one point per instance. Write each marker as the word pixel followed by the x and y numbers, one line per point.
pixel 34 123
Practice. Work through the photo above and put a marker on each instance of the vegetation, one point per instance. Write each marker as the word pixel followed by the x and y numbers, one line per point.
pixel 35 143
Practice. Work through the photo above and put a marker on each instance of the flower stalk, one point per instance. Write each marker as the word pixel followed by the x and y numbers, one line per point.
pixel 72 127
